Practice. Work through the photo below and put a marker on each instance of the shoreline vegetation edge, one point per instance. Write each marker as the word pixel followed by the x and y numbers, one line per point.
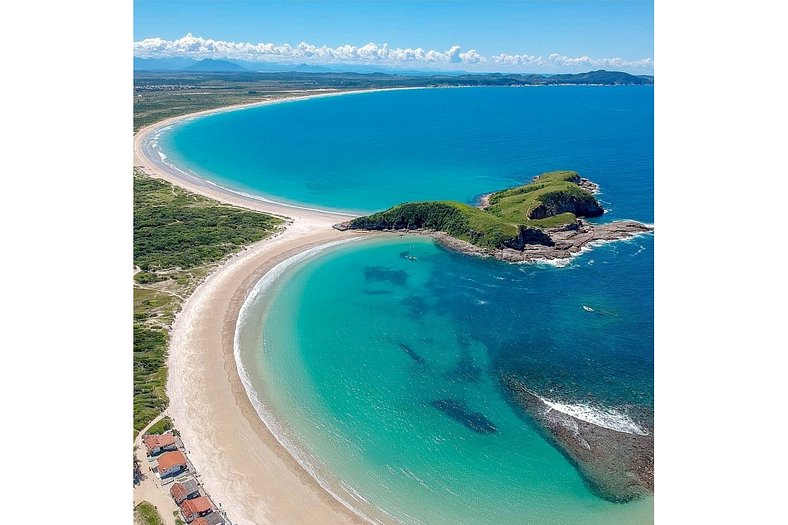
pixel 208 400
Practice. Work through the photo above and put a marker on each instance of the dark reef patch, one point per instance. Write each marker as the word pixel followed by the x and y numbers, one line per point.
pixel 417 307
pixel 619 466
pixel 473 420
pixel 382 274
pixel 411 353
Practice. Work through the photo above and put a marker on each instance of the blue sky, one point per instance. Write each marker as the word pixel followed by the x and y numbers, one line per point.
pixel 522 34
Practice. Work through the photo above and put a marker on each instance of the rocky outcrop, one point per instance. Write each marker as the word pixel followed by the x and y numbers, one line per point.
pixel 567 240
pixel 582 205
pixel 530 235
pixel 618 465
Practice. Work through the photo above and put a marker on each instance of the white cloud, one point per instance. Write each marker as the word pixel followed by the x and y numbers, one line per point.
pixel 561 61
pixel 371 53
pixel 198 47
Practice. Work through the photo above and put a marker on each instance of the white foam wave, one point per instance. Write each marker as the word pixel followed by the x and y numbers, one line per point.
pixel 602 417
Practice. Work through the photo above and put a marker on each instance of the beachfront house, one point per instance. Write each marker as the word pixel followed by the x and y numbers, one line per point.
pixel 158 443
pixel 171 463
pixel 192 509
pixel 210 519
pixel 183 490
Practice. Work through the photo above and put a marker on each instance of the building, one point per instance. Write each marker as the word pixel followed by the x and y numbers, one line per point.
pixel 157 443
pixel 192 509
pixel 171 463
pixel 210 519
pixel 183 490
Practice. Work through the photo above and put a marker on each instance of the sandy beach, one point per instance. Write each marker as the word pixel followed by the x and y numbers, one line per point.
pixel 241 464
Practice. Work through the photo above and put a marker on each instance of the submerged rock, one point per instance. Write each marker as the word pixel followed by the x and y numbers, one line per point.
pixel 411 353
pixel 473 420
pixel 618 465
pixel 381 273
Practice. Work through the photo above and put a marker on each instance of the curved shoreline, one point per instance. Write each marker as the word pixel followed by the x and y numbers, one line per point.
pixel 242 464
pixel 160 169
pixel 247 469
pixel 258 293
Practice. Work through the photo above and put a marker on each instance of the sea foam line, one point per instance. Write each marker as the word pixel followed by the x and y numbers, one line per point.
pixel 602 417
pixel 276 429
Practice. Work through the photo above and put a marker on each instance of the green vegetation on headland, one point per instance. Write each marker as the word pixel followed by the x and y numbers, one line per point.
pixel 512 218
pixel 179 237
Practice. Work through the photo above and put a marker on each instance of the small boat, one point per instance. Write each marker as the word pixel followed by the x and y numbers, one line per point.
pixel 588 308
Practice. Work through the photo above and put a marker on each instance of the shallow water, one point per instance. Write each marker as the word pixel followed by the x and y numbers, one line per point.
pixel 379 362
pixel 362 345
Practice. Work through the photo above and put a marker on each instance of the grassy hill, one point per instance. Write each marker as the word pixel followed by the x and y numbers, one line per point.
pixel 514 217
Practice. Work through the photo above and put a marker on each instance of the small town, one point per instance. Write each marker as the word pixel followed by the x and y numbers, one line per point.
pixel 166 479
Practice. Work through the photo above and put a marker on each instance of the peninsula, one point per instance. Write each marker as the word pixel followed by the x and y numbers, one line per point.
pixel 541 220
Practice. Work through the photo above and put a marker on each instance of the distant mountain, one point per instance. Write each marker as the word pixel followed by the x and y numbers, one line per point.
pixel 162 64
pixel 600 77
pixel 152 72
pixel 211 65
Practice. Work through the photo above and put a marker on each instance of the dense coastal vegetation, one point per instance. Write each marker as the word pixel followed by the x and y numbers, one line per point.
pixel 179 238
pixel 510 218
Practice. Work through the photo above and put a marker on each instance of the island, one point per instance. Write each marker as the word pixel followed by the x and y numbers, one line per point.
pixel 541 220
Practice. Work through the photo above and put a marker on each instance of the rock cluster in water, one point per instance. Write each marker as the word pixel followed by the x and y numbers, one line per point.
pixel 618 465
pixel 551 243
pixel 473 420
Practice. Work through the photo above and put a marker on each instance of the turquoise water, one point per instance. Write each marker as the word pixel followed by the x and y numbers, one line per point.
pixel 331 363
pixel 369 151
pixel 356 351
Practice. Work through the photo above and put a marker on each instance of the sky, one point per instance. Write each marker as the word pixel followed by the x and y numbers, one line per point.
pixel 469 35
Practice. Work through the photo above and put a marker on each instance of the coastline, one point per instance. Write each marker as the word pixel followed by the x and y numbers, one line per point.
pixel 243 465
pixel 258 298
pixel 157 168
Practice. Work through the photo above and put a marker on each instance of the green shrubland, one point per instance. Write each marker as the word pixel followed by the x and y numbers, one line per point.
pixel 553 199
pixel 179 238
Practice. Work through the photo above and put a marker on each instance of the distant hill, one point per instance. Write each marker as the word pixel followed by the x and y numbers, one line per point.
pixel 162 64
pixel 600 77
pixel 211 65
pixel 229 71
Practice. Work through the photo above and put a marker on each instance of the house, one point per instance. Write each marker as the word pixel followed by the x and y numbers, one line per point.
pixel 171 463
pixel 183 490
pixel 157 443
pixel 192 509
pixel 210 519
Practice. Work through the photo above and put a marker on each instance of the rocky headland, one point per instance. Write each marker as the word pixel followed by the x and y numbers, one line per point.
pixel 538 221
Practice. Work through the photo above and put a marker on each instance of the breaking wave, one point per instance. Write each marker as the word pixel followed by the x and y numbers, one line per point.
pixel 602 417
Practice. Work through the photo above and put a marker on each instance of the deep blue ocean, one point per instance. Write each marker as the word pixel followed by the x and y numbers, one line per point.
pixel 353 352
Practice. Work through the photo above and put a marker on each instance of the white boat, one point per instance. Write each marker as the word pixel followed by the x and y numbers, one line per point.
pixel 588 308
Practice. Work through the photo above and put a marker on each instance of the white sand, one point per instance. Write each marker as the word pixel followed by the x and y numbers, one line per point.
pixel 241 464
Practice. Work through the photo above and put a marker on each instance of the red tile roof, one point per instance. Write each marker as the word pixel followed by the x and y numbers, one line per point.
pixel 178 492
pixel 158 440
pixel 170 459
pixel 195 506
